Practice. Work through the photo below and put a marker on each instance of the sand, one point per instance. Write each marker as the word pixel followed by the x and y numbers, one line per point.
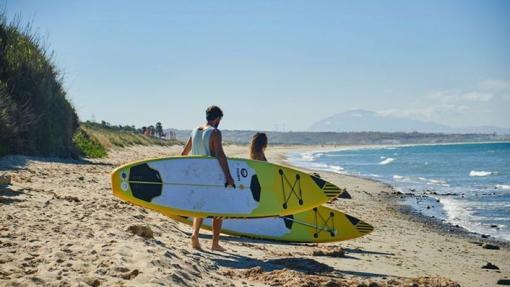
pixel 61 226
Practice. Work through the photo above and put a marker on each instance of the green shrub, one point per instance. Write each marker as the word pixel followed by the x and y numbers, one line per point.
pixel 87 145
pixel 35 116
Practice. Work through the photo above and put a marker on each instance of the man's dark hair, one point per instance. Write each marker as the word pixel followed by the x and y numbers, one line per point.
pixel 213 112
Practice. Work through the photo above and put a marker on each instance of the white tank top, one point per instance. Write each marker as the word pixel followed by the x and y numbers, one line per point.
pixel 200 141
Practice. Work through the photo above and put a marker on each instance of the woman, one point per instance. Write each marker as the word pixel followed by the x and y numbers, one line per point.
pixel 257 146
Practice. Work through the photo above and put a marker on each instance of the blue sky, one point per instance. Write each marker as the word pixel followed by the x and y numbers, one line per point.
pixel 279 64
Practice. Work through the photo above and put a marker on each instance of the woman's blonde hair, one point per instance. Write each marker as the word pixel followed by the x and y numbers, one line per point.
pixel 257 145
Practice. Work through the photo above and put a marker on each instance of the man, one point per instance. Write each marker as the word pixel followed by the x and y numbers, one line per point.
pixel 206 140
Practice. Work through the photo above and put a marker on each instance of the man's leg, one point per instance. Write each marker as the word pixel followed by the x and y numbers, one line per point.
pixel 197 223
pixel 216 234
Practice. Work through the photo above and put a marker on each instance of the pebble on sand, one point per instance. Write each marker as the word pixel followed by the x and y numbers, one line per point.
pixel 141 230
pixel 331 252
pixel 490 246
pixel 490 266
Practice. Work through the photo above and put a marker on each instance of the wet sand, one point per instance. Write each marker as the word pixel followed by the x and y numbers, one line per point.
pixel 61 226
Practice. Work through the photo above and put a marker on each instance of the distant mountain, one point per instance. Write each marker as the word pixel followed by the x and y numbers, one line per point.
pixel 363 120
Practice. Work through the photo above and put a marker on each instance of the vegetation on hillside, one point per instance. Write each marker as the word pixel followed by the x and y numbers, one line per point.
pixel 35 116
pixel 95 139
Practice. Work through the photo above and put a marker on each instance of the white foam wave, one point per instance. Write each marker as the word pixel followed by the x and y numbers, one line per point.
pixel 503 186
pixel 398 177
pixel 479 173
pixel 462 213
pixel 437 181
pixel 307 156
pixel 387 160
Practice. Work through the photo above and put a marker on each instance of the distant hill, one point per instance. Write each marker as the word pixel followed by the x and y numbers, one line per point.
pixel 363 120
pixel 347 138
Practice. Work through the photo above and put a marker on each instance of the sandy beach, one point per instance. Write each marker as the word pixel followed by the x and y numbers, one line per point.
pixel 60 225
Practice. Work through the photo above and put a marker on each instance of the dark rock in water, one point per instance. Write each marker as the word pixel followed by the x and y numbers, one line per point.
pixel 494 226
pixel 485 236
pixel 428 206
pixel 504 282
pixel 490 266
pixel 141 230
pixel 5 179
pixel 490 246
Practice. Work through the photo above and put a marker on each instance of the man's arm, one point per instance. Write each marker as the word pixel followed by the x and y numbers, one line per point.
pixel 217 151
pixel 187 147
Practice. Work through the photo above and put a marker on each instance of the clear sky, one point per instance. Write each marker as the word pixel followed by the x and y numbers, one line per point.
pixel 278 64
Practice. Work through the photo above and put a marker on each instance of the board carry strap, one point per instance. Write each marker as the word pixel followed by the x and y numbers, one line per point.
pixel 292 186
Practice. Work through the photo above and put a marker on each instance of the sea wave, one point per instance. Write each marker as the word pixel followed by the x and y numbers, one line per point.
pixel 480 173
pixel 503 186
pixel 307 156
pixel 387 161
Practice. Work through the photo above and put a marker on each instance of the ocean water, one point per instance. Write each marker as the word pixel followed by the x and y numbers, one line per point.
pixel 464 184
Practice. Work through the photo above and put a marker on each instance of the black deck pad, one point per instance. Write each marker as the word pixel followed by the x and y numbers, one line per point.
pixel 145 191
pixel 255 188
pixel 144 173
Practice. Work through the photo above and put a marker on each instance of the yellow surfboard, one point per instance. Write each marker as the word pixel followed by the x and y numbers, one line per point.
pixel 320 224
pixel 195 186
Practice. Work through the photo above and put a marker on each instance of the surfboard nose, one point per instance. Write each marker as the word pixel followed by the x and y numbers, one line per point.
pixel 330 190
pixel 344 194
pixel 360 225
pixel 364 228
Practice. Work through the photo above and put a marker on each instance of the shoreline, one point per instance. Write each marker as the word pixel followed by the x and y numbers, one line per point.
pixel 398 198
pixel 61 225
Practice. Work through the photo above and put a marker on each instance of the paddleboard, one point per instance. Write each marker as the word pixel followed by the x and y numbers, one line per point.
pixel 320 224
pixel 195 186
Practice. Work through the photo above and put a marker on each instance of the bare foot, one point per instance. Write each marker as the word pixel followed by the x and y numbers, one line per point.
pixel 217 247
pixel 194 243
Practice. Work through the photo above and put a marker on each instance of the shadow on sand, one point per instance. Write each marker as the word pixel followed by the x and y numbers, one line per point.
pixel 299 263
pixel 304 265
pixel 15 162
